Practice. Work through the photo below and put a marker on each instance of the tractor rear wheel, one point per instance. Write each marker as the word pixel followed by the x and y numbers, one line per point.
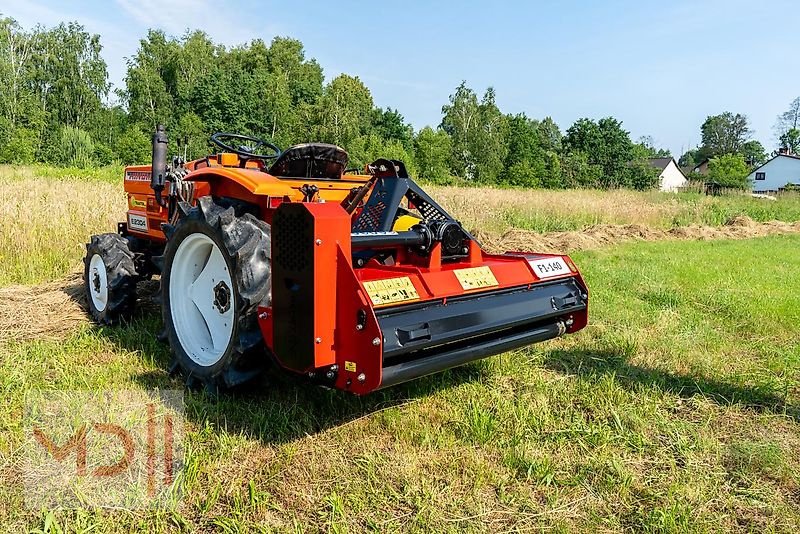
pixel 216 273
pixel 109 278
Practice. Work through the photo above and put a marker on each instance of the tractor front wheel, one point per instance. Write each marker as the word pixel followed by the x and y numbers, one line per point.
pixel 109 278
pixel 216 274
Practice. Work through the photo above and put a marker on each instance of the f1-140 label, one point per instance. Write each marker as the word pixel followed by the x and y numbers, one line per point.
pixel 549 267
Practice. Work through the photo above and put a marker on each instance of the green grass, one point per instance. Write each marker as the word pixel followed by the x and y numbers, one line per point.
pixel 677 409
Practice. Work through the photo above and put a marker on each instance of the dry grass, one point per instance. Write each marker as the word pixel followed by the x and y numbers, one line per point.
pixel 497 210
pixel 603 235
pixel 44 223
pixel 491 208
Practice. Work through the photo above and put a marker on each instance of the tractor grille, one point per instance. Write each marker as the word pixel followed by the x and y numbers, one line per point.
pixel 292 236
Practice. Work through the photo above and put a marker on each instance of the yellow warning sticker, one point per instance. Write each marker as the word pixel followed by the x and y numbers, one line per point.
pixel 476 277
pixel 350 366
pixel 391 290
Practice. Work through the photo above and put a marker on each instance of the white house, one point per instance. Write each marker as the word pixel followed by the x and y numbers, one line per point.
pixel 773 176
pixel 671 176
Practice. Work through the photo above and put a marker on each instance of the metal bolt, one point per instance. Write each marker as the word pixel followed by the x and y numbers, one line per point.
pixel 331 375
pixel 360 262
pixel 318 242
pixel 376 341
pixel 464 250
pixel 570 321
pixel 359 327
pixel 263 315
pixel 362 378
pixel 318 340
pixel 334 367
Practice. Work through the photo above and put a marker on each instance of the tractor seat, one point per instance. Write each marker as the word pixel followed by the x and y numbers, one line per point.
pixel 320 161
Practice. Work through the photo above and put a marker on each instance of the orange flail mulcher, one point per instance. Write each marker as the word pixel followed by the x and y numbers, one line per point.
pixel 355 279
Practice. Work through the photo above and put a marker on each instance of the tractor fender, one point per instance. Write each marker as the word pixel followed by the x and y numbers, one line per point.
pixel 244 184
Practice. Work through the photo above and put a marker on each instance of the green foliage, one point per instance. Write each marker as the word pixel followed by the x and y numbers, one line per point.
pixel 344 111
pixel 753 153
pixel 691 158
pixel 724 134
pixel 790 140
pixel 366 149
pixel 75 148
pixel 18 145
pixel 134 147
pixel 432 149
pixel 577 171
pixel 640 175
pixel 788 120
pixel 603 155
pixel 646 149
pixel 729 170
pixel 479 135
pixel 390 124
pixel 54 108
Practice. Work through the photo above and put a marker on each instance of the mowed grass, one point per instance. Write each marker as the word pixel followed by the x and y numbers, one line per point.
pixel 676 410
pixel 48 213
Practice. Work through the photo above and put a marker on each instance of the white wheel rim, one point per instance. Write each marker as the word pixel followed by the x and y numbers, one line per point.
pixel 198 281
pixel 98 283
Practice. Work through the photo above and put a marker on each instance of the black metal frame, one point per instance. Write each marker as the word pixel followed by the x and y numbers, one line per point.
pixel 380 210
pixel 430 337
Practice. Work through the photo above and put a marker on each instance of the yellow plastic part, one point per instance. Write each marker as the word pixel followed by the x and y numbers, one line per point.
pixel 404 222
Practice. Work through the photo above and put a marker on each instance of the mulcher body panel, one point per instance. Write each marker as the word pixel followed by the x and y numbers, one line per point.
pixel 379 325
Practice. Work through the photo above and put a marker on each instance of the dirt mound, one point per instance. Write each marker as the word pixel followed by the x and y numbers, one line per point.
pixel 604 235
pixel 53 310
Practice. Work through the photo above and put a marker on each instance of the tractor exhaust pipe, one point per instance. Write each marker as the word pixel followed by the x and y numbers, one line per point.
pixel 159 164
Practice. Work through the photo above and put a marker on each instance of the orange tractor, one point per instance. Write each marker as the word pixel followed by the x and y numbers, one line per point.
pixel 357 280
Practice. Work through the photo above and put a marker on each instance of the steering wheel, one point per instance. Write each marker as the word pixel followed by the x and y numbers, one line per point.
pixel 248 150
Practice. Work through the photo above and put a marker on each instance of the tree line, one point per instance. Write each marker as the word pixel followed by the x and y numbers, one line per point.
pixel 57 106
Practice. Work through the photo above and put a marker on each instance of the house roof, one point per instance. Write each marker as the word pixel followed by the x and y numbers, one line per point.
pixel 776 156
pixel 659 163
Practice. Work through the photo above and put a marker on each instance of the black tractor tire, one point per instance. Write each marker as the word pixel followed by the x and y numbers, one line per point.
pixel 111 296
pixel 244 241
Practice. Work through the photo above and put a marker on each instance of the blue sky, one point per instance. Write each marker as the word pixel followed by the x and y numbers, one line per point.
pixel 660 67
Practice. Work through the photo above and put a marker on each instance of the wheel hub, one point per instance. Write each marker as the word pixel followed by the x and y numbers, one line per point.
pixel 222 297
pixel 200 299
pixel 98 283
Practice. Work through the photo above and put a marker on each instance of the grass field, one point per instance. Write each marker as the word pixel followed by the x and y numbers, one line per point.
pixel 676 410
